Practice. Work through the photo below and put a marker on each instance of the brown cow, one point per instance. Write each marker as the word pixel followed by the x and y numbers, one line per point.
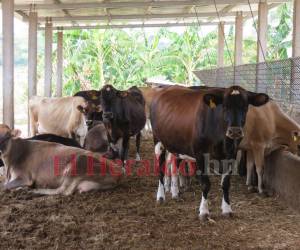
pixel 61 116
pixel 54 168
pixel 192 123
pixel 275 129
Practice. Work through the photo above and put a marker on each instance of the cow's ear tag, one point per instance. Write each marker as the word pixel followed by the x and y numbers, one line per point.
pixel 94 97
pixel 212 105
pixel 295 138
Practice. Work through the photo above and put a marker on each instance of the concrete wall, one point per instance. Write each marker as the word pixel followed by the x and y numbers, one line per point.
pixel 282 175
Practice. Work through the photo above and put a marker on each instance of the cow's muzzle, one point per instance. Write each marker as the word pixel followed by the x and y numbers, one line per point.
pixel 89 122
pixel 235 133
pixel 107 115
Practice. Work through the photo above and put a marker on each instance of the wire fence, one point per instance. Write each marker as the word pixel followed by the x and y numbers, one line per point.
pixel 279 79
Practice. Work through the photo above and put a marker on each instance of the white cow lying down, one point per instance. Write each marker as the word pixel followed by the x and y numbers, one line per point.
pixel 53 168
pixel 60 116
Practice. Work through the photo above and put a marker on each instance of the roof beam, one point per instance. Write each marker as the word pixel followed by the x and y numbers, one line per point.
pixel 141 25
pixel 143 16
pixel 141 4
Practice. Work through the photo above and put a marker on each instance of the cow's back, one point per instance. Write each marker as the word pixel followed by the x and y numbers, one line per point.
pixel 175 118
pixel 54 115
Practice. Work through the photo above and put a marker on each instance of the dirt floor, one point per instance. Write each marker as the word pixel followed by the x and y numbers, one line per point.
pixel 129 218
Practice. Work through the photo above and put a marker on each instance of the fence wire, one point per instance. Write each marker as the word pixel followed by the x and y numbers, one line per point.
pixel 279 79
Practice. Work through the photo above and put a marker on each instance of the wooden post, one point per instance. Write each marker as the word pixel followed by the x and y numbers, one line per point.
pixel 32 54
pixel 48 59
pixel 59 69
pixel 296 29
pixel 8 61
pixel 221 42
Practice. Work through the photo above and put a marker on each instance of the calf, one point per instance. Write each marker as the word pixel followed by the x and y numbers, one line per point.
pixel 124 116
pixel 192 123
pixel 96 139
pixel 275 129
pixel 61 116
pixel 53 168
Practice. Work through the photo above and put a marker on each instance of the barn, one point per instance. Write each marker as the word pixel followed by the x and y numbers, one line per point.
pixel 132 215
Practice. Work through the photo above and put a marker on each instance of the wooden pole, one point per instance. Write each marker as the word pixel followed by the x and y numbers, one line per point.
pixel 59 82
pixel 48 59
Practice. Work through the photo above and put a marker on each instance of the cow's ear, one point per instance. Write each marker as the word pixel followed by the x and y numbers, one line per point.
pixel 213 100
pixel 16 132
pixel 257 99
pixel 296 135
pixel 81 109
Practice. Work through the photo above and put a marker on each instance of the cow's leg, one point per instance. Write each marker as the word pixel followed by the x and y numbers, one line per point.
pixel 225 183
pixel 167 177
pixel 160 156
pixel 174 178
pixel 54 191
pixel 204 181
pixel 16 183
pixel 137 144
pixel 125 148
pixel 259 163
pixel 250 168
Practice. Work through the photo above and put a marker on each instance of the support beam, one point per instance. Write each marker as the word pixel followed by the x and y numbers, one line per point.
pixel 32 54
pixel 221 42
pixel 296 29
pixel 141 16
pixel 8 61
pixel 238 45
pixel 133 26
pixel 134 4
pixel 48 59
pixel 262 31
pixel 59 69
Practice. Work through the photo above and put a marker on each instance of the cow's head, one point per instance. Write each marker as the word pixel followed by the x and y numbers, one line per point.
pixel 6 133
pixel 89 111
pixel 295 142
pixel 109 102
pixel 235 102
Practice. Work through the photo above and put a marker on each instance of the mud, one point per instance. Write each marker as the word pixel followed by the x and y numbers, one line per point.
pixel 128 217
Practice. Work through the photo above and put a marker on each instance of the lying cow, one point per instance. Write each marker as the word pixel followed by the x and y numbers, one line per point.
pixel 124 116
pixel 190 122
pixel 53 168
pixel 275 129
pixel 50 138
pixel 61 116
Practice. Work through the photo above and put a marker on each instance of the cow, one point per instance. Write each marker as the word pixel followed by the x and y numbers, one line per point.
pixel 275 129
pixel 191 123
pixel 61 116
pixel 124 116
pixel 53 168
pixel 96 139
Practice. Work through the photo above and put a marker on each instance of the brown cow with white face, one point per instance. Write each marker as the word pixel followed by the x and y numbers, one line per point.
pixel 54 168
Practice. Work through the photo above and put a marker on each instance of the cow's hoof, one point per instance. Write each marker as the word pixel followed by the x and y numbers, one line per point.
pixel 161 200
pixel 227 215
pixel 263 194
pixel 203 217
pixel 175 197
pixel 252 189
